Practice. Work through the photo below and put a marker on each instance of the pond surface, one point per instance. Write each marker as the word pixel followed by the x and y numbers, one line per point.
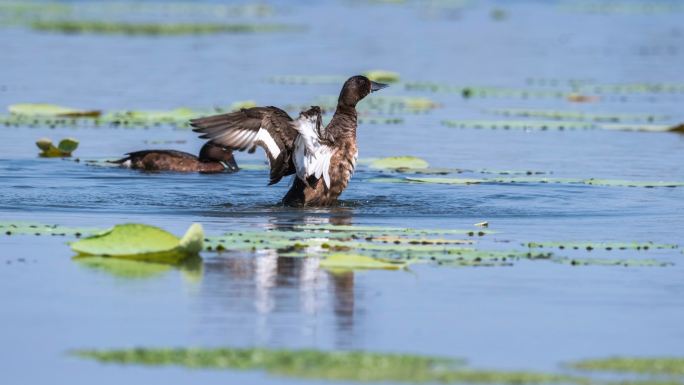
pixel 533 315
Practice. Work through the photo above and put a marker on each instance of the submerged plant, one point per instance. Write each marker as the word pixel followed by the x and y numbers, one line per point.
pixel 63 149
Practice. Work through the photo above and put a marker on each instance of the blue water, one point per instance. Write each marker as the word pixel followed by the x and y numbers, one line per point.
pixel 534 315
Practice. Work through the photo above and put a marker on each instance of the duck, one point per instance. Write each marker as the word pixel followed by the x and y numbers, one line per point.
pixel 323 158
pixel 213 158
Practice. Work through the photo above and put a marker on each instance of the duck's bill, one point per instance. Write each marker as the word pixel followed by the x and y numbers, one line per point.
pixel 375 86
pixel 230 165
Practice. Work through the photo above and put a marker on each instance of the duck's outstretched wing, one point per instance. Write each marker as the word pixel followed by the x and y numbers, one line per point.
pixel 268 127
pixel 312 153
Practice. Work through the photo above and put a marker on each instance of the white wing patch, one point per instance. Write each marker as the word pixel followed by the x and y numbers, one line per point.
pixel 311 157
pixel 264 137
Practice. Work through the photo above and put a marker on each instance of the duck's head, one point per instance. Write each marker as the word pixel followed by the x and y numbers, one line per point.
pixel 357 88
pixel 212 152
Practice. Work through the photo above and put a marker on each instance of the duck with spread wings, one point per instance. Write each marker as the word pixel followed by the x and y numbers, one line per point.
pixel 323 158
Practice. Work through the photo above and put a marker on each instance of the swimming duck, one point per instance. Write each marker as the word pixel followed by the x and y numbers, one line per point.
pixel 323 158
pixel 212 158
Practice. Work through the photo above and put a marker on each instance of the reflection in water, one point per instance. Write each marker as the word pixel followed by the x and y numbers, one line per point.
pixel 278 297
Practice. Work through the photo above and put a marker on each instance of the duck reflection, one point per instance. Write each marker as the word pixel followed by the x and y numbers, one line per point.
pixel 283 296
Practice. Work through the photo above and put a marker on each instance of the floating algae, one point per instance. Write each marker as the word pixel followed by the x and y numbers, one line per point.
pixel 578 116
pixel 154 29
pixel 37 229
pixel 335 365
pixel 643 365
pixel 527 180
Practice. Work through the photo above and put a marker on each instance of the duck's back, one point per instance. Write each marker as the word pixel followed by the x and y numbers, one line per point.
pixel 167 160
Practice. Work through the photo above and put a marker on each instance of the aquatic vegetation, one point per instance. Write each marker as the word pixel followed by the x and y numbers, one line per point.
pixel 32 10
pixel 613 262
pixel 31 228
pixel 50 110
pixel 608 246
pixel 142 243
pixel 380 230
pixel 340 261
pixel 377 105
pixel 645 365
pixel 63 149
pixel 339 246
pixel 382 76
pixel 399 162
pixel 335 365
pixel 32 115
pixel 577 115
pixel 542 180
pixel 154 29
pixel 519 125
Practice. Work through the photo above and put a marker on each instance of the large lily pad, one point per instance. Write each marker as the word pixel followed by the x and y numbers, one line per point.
pixel 143 243
pixel 340 261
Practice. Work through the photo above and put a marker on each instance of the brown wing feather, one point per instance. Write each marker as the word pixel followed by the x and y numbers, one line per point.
pixel 240 130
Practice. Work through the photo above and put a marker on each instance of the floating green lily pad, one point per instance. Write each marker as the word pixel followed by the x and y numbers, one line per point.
pixel 50 110
pixel 399 162
pixel 31 228
pixel 382 76
pixel 646 365
pixel 340 261
pixel 142 243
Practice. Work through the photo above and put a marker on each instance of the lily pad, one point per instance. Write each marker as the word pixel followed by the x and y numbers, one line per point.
pixel 37 109
pixel 143 243
pixel 341 261
pixel 38 229
pixel 399 162
pixel 382 76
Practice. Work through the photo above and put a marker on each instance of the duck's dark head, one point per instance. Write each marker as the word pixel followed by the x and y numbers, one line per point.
pixel 357 88
pixel 212 152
